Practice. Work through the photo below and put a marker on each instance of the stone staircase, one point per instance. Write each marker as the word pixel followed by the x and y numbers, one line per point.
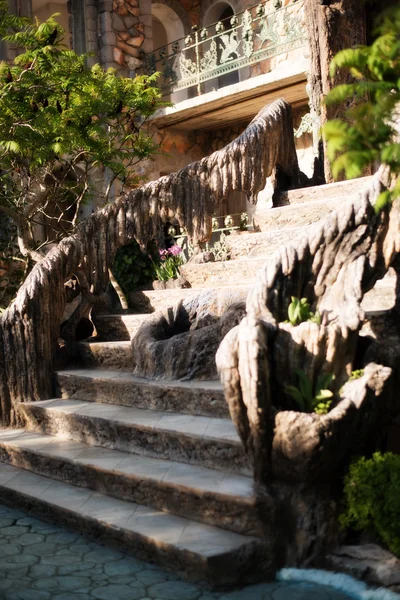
pixel 156 467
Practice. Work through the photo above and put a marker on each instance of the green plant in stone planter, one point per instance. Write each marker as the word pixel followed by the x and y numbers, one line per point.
pixel 299 312
pixel 312 398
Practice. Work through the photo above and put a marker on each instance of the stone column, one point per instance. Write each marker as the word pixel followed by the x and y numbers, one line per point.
pixel 125 33
pixel 91 32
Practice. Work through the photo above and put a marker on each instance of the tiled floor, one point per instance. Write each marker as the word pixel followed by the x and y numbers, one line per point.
pixel 40 561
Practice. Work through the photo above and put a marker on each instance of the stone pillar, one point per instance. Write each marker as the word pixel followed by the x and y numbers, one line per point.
pixel 77 25
pixel 22 8
pixel 125 33
pixel 25 8
pixel 91 30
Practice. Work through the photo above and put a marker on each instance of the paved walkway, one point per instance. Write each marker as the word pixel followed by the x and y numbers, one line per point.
pixel 40 561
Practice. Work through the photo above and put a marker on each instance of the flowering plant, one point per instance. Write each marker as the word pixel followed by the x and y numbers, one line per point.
pixel 170 259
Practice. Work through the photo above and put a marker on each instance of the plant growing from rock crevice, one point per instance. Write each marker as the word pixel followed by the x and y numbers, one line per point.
pixel 299 312
pixel 311 397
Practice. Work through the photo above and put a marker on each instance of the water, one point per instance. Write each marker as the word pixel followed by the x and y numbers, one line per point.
pixel 41 561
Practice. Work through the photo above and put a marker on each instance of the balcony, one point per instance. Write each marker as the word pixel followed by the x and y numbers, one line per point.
pixel 255 54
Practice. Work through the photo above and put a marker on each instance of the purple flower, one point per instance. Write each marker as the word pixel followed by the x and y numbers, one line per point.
pixel 175 250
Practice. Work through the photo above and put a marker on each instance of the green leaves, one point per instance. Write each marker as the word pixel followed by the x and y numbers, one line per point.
pixel 57 116
pixel 299 312
pixel 312 398
pixel 372 492
pixel 132 268
pixel 367 133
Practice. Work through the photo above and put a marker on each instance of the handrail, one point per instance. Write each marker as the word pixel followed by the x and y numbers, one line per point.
pixel 30 327
pixel 254 35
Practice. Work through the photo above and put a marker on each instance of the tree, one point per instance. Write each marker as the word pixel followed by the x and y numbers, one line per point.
pixel 332 26
pixel 62 125
pixel 369 130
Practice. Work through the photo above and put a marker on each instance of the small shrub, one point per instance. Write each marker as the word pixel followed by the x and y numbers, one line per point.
pixel 132 268
pixel 309 398
pixel 372 496
pixel 299 312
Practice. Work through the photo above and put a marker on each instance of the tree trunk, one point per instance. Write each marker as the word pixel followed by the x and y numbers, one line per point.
pixel 332 26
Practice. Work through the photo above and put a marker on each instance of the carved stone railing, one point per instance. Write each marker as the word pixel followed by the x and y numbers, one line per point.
pixel 30 327
pixel 333 266
pixel 253 36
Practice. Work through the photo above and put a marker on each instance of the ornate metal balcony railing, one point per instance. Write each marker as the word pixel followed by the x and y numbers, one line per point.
pixel 250 37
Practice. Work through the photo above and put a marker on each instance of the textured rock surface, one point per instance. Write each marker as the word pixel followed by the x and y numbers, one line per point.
pixel 369 562
pixel 109 355
pixel 118 327
pixel 341 189
pixel 150 301
pixel 182 342
pixel 333 265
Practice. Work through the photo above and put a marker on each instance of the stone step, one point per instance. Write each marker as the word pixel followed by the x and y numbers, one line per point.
pixel 205 495
pixel 246 271
pixel 323 192
pixel 261 245
pixel 203 398
pixel 205 441
pixel 153 300
pixel 227 273
pixel 106 355
pixel 194 550
pixel 382 296
pixel 291 215
pixel 119 327
pixel 122 327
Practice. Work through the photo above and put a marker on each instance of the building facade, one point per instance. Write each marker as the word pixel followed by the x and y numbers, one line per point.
pixel 220 63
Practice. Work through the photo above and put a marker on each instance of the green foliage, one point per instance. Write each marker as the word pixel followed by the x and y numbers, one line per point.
pixel 63 124
pixel 312 398
pixel 367 132
pixel 299 312
pixel 356 374
pixel 132 268
pixel 372 497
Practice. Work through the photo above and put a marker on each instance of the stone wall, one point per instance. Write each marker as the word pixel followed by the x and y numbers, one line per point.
pixel 124 34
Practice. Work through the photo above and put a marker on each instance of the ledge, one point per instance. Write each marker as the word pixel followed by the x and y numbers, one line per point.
pixel 238 102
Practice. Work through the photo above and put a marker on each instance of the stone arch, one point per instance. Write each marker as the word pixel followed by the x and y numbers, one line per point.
pixel 222 10
pixel 172 17
pixel 212 10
